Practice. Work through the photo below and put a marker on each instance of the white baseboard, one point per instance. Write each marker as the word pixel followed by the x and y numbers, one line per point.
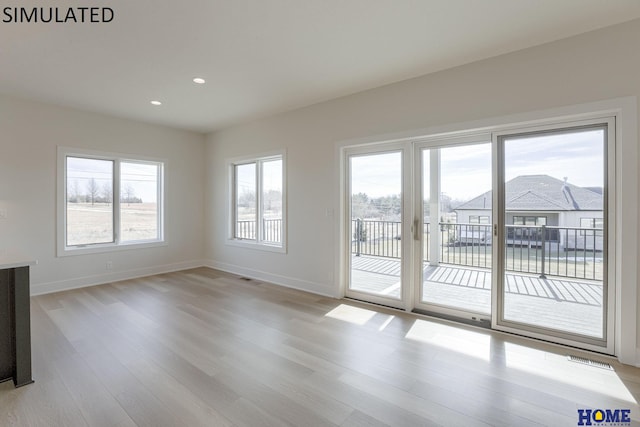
pixel 99 279
pixel 276 279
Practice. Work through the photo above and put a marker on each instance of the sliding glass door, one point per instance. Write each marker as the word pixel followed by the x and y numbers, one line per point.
pixel 510 229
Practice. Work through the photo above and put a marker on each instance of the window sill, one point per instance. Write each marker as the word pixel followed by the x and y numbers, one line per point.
pixel 97 249
pixel 248 244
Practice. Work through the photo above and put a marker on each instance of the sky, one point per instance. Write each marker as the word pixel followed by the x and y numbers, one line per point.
pixel 141 177
pixel 466 170
pixel 271 176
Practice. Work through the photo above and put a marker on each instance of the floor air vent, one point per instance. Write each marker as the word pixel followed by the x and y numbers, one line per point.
pixel 590 362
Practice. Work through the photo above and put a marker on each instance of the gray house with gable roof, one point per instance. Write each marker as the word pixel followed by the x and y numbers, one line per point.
pixel 572 215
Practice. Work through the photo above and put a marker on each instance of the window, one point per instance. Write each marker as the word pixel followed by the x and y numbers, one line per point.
pixel 525 228
pixel 478 219
pixel 108 201
pixel 530 220
pixel 258 202
pixel 597 223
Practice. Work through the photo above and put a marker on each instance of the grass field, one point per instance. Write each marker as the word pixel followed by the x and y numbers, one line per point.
pixel 91 224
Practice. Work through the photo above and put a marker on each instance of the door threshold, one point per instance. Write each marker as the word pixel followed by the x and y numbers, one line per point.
pixel 484 324
pixel 477 321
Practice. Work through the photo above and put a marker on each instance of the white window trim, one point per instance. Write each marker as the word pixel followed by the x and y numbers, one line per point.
pixel 61 198
pixel 231 240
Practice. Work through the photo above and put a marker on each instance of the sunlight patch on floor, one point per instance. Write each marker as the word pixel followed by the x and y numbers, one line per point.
pixel 452 338
pixel 386 323
pixel 350 314
pixel 558 368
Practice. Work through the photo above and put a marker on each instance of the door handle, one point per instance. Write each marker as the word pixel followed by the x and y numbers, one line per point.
pixel 415 227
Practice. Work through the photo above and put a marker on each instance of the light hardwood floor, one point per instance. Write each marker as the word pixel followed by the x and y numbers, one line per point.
pixel 205 348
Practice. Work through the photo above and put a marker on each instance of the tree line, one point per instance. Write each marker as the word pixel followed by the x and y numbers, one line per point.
pixel 94 193
pixel 272 200
pixel 389 208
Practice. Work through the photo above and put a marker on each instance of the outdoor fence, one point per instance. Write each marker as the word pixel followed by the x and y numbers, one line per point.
pixel 543 250
pixel 556 251
pixel 379 238
pixel 271 230
pixel 465 244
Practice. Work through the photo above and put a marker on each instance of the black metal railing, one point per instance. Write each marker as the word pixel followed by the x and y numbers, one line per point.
pixel 271 230
pixel 378 238
pixel 571 252
pixel 465 244
pixel 557 251
pixel 382 238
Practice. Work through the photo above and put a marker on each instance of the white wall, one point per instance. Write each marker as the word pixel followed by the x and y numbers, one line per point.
pixel 595 66
pixel 31 133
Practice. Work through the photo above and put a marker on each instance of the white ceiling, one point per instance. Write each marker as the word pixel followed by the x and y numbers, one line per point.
pixel 261 57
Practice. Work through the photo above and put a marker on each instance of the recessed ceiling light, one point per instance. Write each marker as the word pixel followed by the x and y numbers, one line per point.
pixel 199 80
pixel 156 103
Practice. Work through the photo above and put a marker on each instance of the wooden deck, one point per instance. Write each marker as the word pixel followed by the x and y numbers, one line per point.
pixel 566 304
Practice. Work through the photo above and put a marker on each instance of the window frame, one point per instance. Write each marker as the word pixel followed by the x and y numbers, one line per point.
pixel 537 223
pixel 232 202
pixel 117 245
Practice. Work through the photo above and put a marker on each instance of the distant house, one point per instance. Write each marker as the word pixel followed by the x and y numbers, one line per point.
pixel 572 215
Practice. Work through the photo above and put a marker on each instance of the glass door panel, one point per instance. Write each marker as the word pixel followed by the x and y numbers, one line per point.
pixel 554 267
pixel 375 226
pixel 457 233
